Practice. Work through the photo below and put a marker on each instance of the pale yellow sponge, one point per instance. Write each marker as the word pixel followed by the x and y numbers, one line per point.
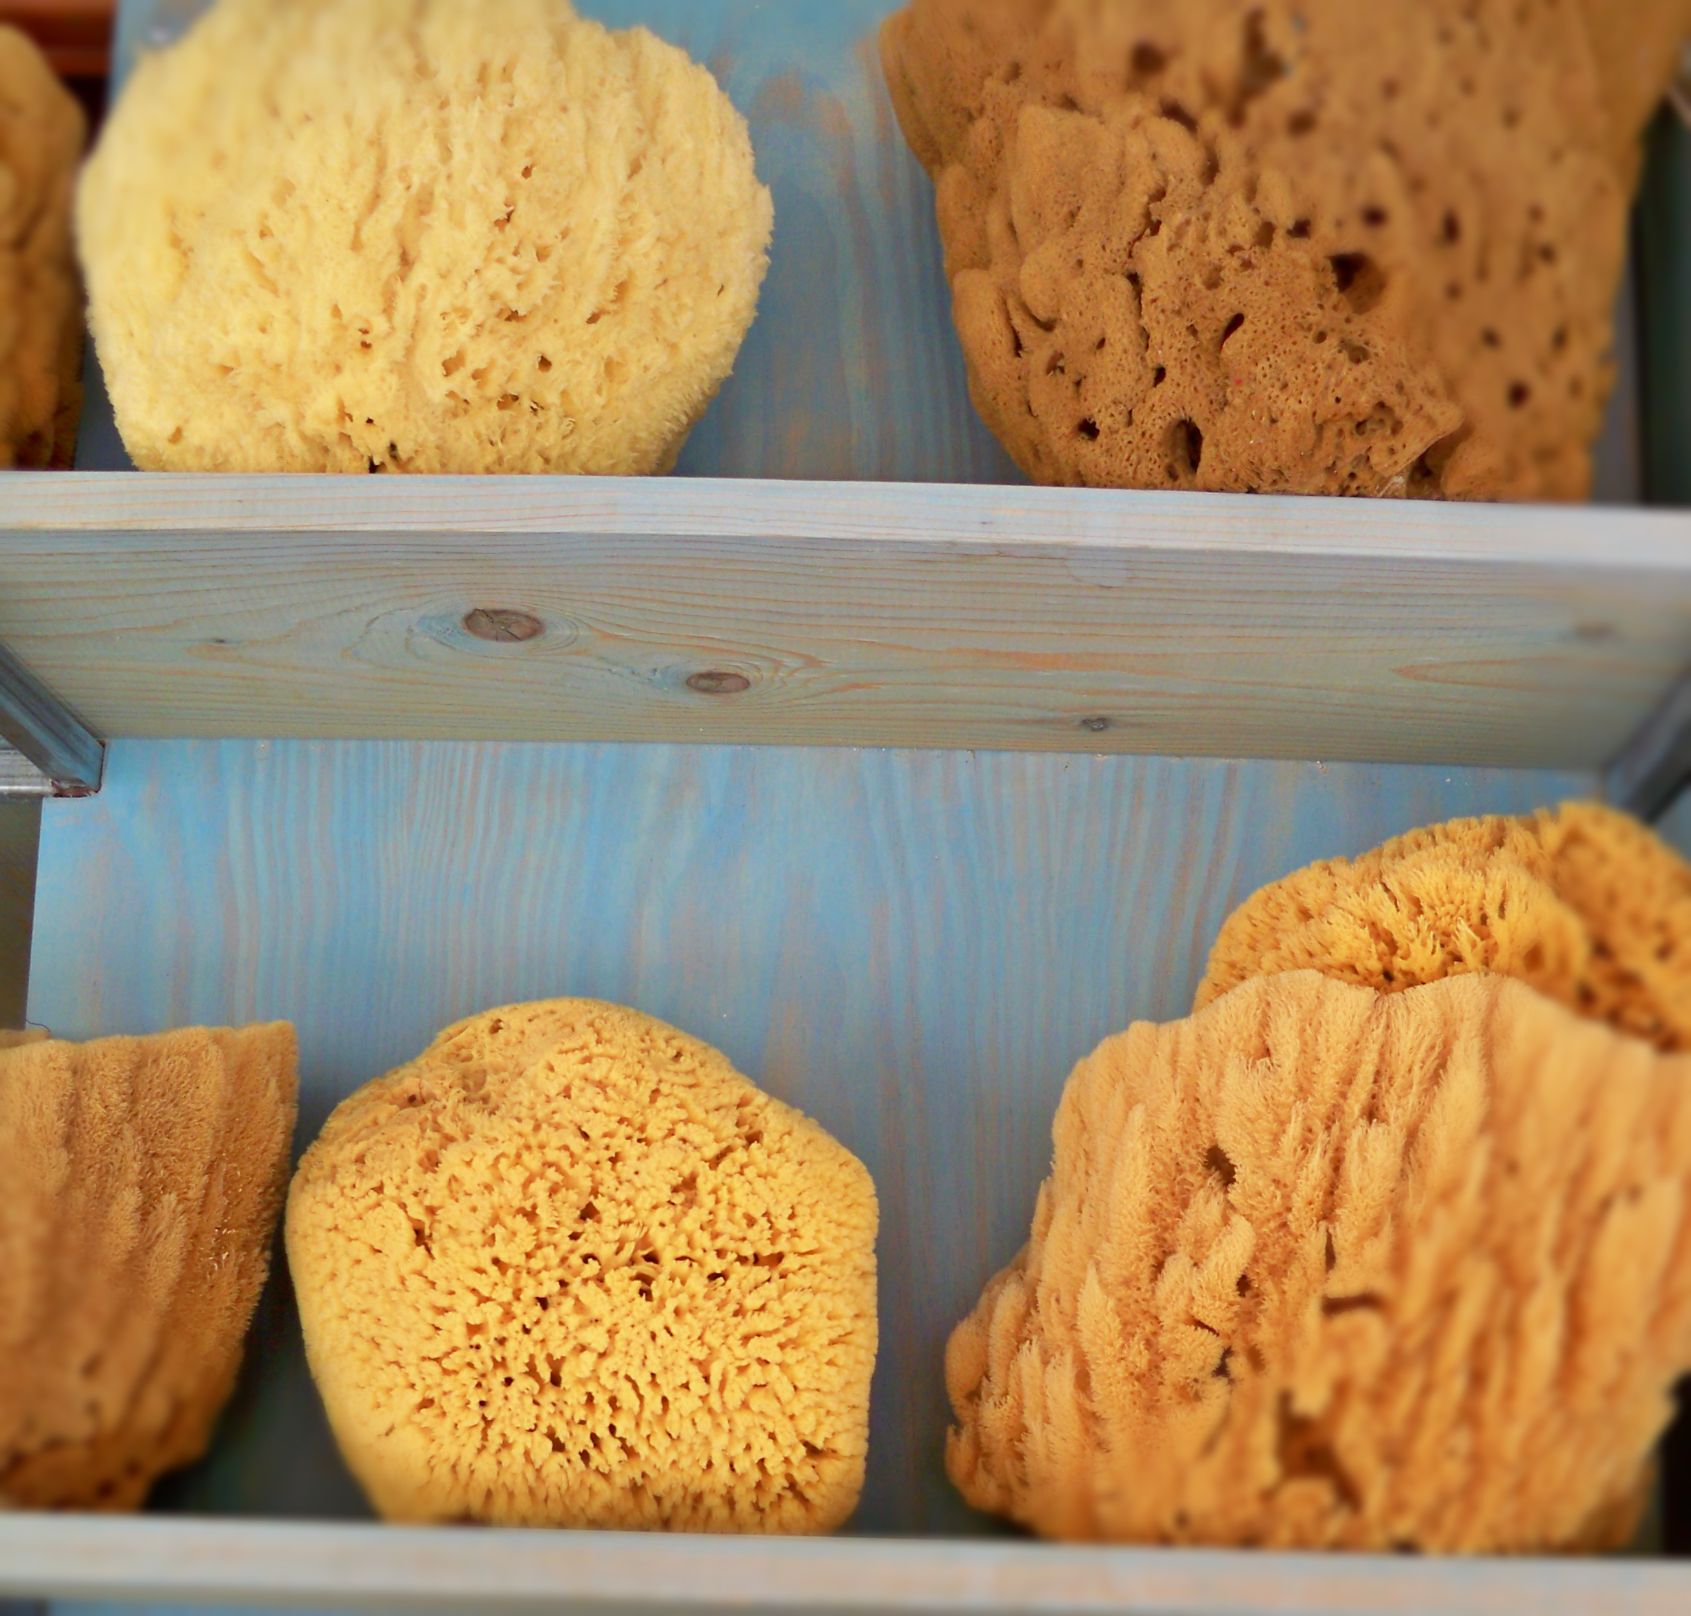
pixel 142 1179
pixel 419 235
pixel 570 1268
pixel 1326 1268
pixel 1583 902
pixel 41 135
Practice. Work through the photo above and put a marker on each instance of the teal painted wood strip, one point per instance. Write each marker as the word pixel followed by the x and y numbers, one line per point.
pixel 913 947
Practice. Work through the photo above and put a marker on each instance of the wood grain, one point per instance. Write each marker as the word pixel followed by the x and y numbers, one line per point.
pixel 861 614
pixel 477 1571
pixel 914 947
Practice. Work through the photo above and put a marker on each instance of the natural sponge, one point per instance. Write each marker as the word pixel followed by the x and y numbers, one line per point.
pixel 1284 245
pixel 1322 1267
pixel 41 136
pixel 142 1180
pixel 419 235
pixel 1582 902
pixel 570 1268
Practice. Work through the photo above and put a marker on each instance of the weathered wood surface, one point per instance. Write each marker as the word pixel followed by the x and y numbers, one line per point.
pixel 914 947
pixel 860 614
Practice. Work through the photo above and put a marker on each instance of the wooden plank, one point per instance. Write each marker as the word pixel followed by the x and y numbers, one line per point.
pixel 860 614
pixel 913 947
pixel 430 1570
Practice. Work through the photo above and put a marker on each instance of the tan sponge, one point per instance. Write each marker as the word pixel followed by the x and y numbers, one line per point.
pixel 1296 246
pixel 1582 902
pixel 570 1268
pixel 41 135
pixel 141 1181
pixel 419 235
pixel 1322 1268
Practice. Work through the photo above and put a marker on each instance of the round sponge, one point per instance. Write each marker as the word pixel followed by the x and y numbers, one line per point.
pixel 142 1180
pixel 1326 1268
pixel 1583 902
pixel 419 235
pixel 570 1268
pixel 41 135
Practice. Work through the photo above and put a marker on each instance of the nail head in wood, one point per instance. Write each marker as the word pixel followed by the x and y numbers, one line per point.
pixel 503 627
pixel 1097 724
pixel 718 682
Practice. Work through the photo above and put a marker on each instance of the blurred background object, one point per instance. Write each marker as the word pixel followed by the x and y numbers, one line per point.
pixel 76 36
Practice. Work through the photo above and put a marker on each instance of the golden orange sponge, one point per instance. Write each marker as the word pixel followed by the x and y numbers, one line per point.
pixel 143 1177
pixel 42 131
pixel 1583 902
pixel 1325 1268
pixel 570 1268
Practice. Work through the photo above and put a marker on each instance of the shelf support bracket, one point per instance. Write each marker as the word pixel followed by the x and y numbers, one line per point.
pixel 1655 765
pixel 45 749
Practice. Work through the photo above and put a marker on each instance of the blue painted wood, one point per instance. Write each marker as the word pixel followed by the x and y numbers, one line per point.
pixel 914 947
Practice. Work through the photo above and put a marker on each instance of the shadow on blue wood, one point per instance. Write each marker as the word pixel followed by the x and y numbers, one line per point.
pixel 914 947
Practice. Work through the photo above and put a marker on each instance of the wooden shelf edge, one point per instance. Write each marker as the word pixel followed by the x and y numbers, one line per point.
pixel 112 504
pixel 359 1565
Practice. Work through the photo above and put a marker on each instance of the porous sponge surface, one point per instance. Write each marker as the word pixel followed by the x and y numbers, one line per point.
pixel 142 1181
pixel 41 134
pixel 419 235
pixel 1303 246
pixel 570 1268
pixel 1321 1267
pixel 1583 902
